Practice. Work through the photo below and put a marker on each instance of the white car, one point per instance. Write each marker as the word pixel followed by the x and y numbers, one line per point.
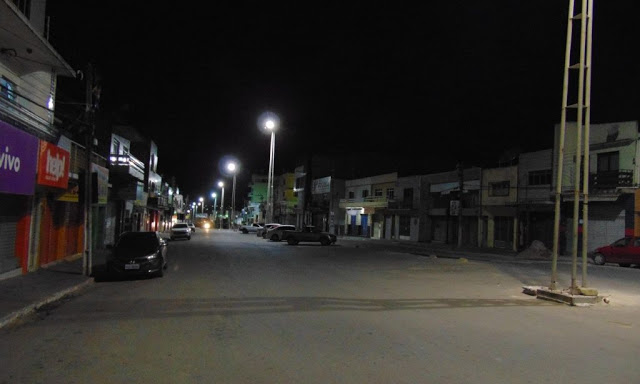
pixel 253 228
pixel 280 232
pixel 180 231
pixel 262 231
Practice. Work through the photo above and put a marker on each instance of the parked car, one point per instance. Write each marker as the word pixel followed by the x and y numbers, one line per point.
pixel 280 232
pixel 180 231
pixel 262 231
pixel 138 253
pixel 253 228
pixel 311 234
pixel 624 252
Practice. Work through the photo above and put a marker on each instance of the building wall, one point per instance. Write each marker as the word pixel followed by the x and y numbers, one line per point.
pixel 531 162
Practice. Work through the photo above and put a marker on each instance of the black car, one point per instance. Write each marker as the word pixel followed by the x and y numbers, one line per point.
pixel 138 253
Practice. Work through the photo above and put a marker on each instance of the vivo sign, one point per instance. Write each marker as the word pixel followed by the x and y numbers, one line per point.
pixel 18 158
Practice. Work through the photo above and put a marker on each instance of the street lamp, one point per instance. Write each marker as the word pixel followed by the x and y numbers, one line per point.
pixel 215 202
pixel 202 203
pixel 270 124
pixel 221 185
pixel 231 167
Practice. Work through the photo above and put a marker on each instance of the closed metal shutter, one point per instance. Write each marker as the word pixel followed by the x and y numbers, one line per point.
pixel 8 231
pixel 606 224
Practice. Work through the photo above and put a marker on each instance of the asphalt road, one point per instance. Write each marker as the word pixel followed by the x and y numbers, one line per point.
pixel 235 308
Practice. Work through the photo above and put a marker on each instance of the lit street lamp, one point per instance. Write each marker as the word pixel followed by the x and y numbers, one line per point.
pixel 221 185
pixel 202 203
pixel 231 167
pixel 270 124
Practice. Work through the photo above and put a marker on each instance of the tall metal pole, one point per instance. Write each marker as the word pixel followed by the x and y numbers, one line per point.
pixel 222 208
pixel 587 123
pixel 576 191
pixel 560 155
pixel 88 242
pixel 270 179
pixel 461 186
pixel 233 200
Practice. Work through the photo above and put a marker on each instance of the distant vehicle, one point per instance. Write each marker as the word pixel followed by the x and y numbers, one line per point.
pixel 180 231
pixel 624 252
pixel 280 232
pixel 137 253
pixel 262 231
pixel 253 228
pixel 192 226
pixel 311 234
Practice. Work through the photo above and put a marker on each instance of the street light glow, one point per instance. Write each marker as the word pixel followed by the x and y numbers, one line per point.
pixel 231 167
pixel 270 124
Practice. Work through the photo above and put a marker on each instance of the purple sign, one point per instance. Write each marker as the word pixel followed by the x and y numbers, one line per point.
pixel 18 160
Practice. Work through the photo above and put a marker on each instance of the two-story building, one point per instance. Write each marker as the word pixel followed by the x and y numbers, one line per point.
pixel 499 225
pixel 364 204
pixel 34 157
pixel 535 198
pixel 614 176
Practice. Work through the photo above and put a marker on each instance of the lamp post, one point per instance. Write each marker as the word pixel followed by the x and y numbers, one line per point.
pixel 270 125
pixel 202 203
pixel 231 167
pixel 215 202
pixel 221 185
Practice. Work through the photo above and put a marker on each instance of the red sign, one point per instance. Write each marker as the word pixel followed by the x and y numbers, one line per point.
pixel 53 165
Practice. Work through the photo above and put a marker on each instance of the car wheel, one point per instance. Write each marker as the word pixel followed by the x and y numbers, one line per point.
pixel 598 259
pixel 624 265
pixel 275 238
pixel 292 241
pixel 189 238
pixel 325 241
pixel 244 231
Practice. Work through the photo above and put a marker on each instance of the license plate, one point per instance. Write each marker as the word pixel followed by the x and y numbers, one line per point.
pixel 132 266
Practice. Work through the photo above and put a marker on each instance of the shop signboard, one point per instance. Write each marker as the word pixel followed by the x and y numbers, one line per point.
pixel 53 165
pixel 18 160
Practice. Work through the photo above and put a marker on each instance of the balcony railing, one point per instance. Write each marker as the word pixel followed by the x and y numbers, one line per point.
pixel 25 112
pixel 611 179
pixel 128 163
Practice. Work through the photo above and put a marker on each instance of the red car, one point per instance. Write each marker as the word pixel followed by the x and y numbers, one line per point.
pixel 625 252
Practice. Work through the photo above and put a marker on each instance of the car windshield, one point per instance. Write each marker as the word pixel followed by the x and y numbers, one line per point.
pixel 180 226
pixel 144 242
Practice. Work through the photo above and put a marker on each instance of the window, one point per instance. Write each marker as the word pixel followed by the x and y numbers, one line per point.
pixel 390 193
pixel 377 192
pixel 24 6
pixel 365 193
pixel 407 197
pixel 540 177
pixel 608 161
pixel 115 146
pixel 500 188
pixel 351 194
pixel 7 89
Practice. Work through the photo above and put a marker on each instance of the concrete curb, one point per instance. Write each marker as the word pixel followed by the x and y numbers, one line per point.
pixel 29 309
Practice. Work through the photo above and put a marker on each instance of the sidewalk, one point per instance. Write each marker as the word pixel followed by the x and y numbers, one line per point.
pixel 24 294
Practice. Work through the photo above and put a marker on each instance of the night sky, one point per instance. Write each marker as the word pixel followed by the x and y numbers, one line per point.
pixel 434 84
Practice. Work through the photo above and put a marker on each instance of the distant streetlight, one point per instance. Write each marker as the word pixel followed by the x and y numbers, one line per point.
pixel 270 125
pixel 231 167
pixel 202 203
pixel 221 185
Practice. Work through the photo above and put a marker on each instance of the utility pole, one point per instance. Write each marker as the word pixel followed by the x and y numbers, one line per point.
pixel 461 187
pixel 88 193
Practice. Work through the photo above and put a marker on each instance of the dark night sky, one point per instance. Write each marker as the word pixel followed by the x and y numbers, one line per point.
pixel 438 83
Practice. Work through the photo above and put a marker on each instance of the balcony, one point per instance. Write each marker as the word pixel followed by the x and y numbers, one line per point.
pixel 26 114
pixel 611 179
pixel 127 164
pixel 365 202
pixel 159 201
